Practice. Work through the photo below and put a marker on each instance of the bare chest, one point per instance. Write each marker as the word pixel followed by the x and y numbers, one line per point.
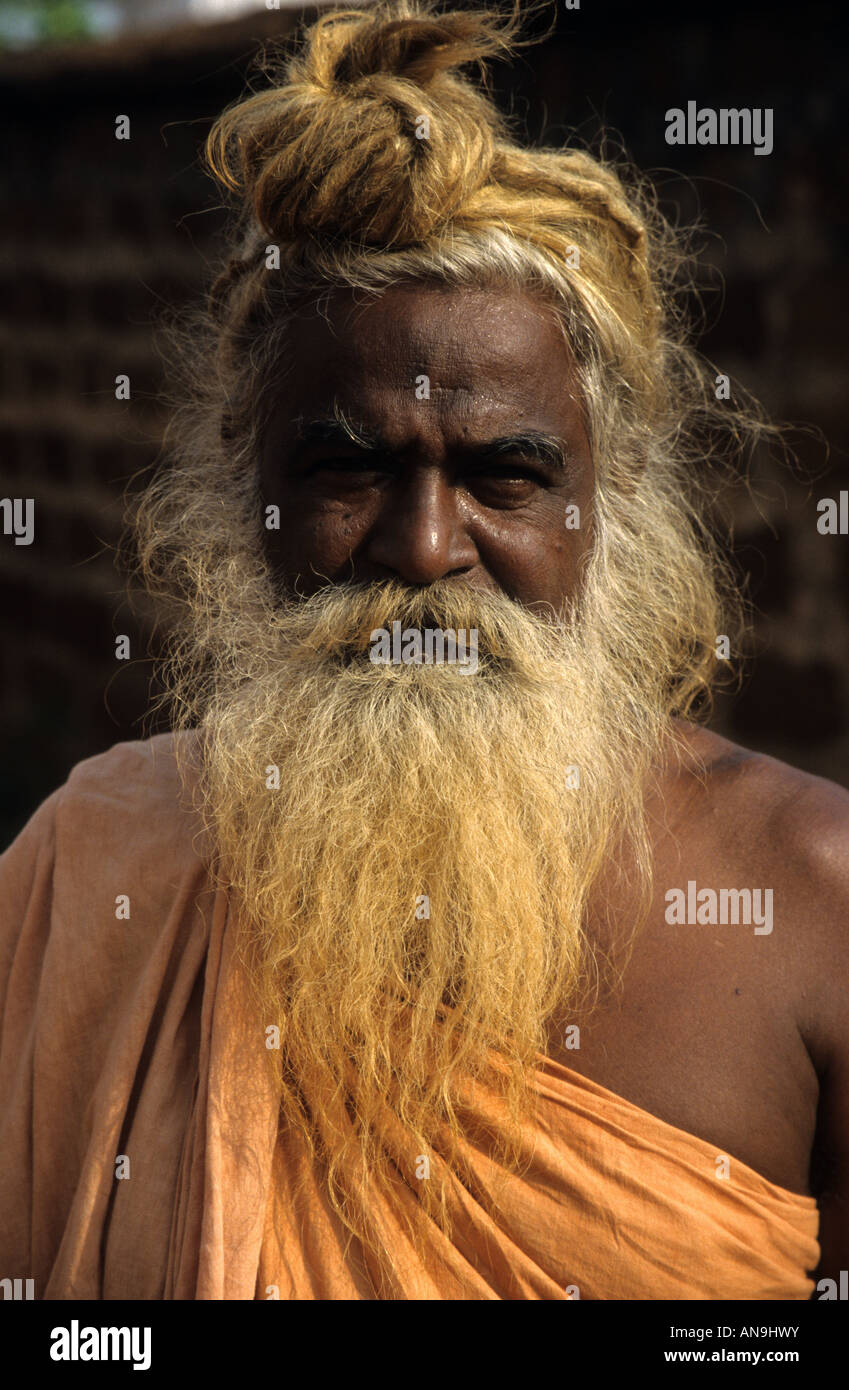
pixel 702 1033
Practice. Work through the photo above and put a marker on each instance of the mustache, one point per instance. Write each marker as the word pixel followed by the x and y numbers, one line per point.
pixel 380 629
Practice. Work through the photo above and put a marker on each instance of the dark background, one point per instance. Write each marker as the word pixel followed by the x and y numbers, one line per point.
pixel 98 235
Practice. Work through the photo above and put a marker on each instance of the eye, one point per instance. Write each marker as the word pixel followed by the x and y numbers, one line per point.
pixel 346 472
pixel 512 472
pixel 356 464
pixel 506 482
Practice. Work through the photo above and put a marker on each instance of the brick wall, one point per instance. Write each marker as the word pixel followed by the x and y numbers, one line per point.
pixel 98 233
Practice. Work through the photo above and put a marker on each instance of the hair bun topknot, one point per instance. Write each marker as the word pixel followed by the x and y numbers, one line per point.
pixel 338 147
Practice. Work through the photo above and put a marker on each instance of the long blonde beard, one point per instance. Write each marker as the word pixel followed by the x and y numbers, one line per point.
pixel 413 848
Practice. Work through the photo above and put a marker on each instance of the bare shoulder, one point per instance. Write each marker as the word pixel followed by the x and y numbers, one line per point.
pixel 752 820
pixel 765 805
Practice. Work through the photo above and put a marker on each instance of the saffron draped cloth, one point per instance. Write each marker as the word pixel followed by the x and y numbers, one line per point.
pixel 140 1148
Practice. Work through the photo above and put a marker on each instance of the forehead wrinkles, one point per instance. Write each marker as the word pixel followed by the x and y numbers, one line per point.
pixel 488 359
pixel 460 383
pixel 458 339
pixel 459 412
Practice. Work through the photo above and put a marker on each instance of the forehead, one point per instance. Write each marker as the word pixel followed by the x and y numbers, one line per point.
pixel 498 355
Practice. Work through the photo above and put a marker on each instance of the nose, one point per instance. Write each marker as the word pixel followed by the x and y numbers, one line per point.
pixel 420 534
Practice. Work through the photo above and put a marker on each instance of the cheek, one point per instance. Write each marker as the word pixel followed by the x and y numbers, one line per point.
pixel 548 545
pixel 321 533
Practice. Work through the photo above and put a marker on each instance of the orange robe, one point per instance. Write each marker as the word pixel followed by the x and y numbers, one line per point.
pixel 132 1038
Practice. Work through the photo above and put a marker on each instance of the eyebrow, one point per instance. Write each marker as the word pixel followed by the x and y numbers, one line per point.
pixel 339 430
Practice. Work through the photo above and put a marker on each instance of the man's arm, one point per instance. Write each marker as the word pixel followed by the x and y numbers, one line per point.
pixel 830 1169
pixel 824 881
pixel 26 889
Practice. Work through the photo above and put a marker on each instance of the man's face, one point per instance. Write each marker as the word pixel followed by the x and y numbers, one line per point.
pixel 471 481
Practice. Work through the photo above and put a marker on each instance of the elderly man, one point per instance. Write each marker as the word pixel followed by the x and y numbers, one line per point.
pixel 437 953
